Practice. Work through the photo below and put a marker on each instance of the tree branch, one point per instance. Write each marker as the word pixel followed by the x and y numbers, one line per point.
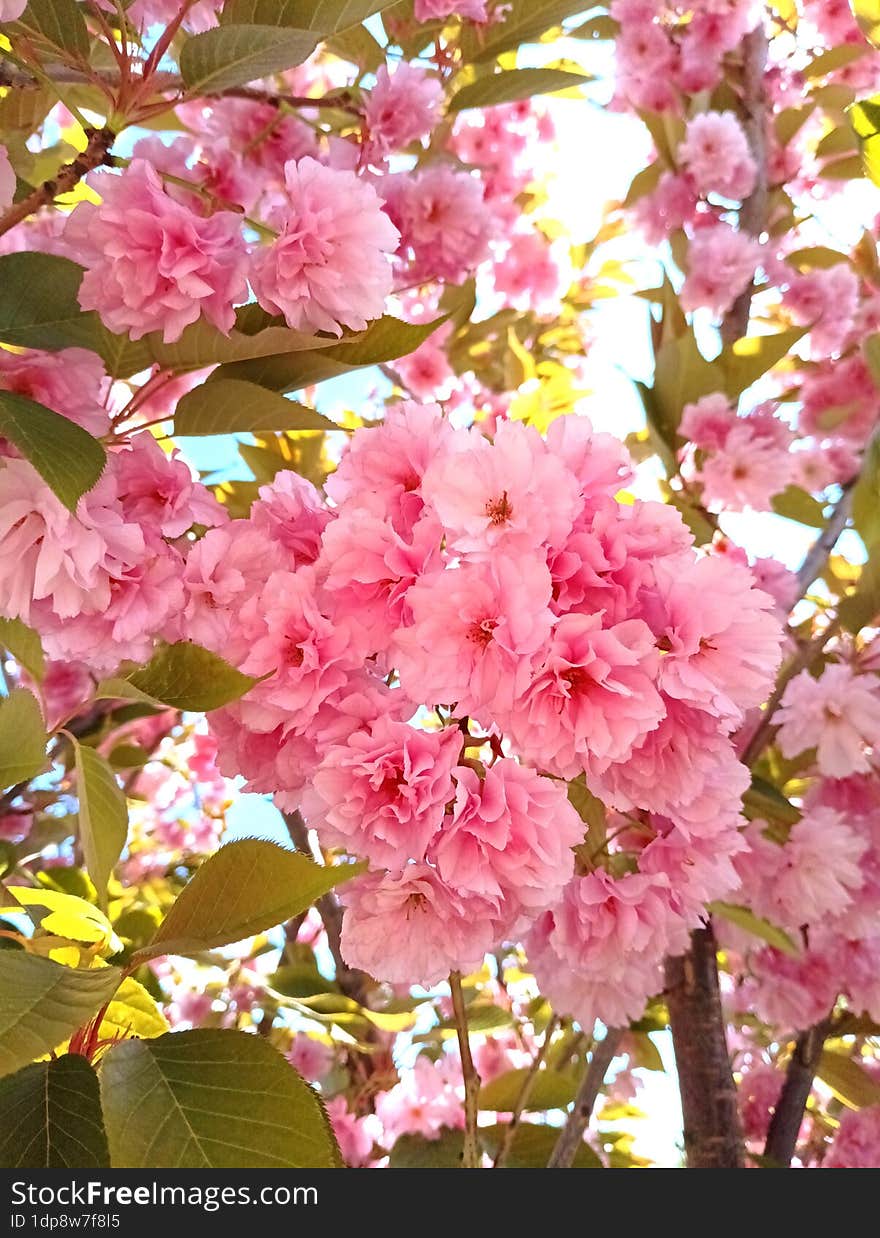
pixel 472 1156
pixel 789 1111
pixel 712 1131
pixel 67 177
pixel 354 983
pixel 571 1138
pixel 524 1093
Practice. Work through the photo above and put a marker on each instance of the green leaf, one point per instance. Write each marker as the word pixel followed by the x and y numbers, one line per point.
pixel 60 23
pixel 256 334
pixel 25 646
pixel 325 16
pixel 43 1003
pixel 52 1117
pixel 187 676
pixel 246 887
pixel 506 87
pixel 551 1089
pixel 231 56
pixel 211 1099
pixel 524 21
pixel 757 926
pixel 103 817
pixel 532 1146
pixel 863 606
pixel 23 737
pixel 385 340
pixel 867 14
pixel 132 1012
pixel 794 503
pixel 864 117
pixel 39 309
pixel 745 361
pixel 591 811
pixel 416 1152
pixel 68 459
pixel 837 58
pixel 231 406
pixel 358 47
pixel 767 802
pixel 849 1081
pixel 38 303
pixel 681 376
pixel 67 915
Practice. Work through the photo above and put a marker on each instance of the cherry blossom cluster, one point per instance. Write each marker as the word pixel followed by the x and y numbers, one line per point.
pixel 472 622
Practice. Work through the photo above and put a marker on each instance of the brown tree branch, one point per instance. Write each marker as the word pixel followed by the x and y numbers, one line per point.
pixel 524 1093
pixel 713 1136
pixel 471 1156
pixel 789 1111
pixel 67 177
pixel 572 1136
pixel 354 983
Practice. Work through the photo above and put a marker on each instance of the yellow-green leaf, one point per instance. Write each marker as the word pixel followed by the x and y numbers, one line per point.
pixel 103 817
pixel 211 1099
pixel 864 117
pixel 849 1081
pixel 43 1003
pixel 60 23
pixel 506 87
pixel 231 56
pixel 324 16
pixel 748 359
pixel 867 14
pixel 132 1012
pixel 551 1089
pixel 23 737
pixel 794 503
pixel 231 406
pixel 246 887
pixel 25 646
pixel 182 676
pixel 757 926
pixel 66 915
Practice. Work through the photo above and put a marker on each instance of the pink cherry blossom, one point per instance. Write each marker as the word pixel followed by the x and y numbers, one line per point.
pixel 384 469
pixel 411 927
pixel 716 154
pixel 152 264
pixel 511 494
pixel 402 107
pixel 721 263
pixel 290 511
pixel 719 637
pixel 425 1101
pixel 444 222
pixel 473 632
pixel 71 382
pixel 329 267
pixel 857 1142
pixel 838 714
pixel 509 835
pixel 591 697
pixel 383 794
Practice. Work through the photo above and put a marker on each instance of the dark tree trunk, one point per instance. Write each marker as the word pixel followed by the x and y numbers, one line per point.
pixel 712 1130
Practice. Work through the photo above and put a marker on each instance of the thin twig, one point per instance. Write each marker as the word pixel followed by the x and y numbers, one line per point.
pixel 789 1111
pixel 353 982
pixel 524 1093
pixel 804 656
pixel 569 1142
pixel 471 1156
pixel 67 177
pixel 820 551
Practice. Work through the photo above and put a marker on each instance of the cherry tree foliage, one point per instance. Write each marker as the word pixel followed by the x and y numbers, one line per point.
pixel 564 777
